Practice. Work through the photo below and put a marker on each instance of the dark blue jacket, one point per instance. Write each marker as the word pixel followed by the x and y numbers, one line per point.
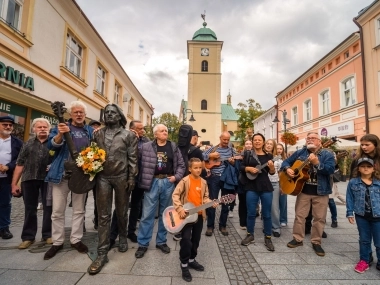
pixel 230 176
pixel 16 145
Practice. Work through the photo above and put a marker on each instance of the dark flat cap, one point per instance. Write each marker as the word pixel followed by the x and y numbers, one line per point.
pixel 195 133
pixel 94 122
pixel 7 119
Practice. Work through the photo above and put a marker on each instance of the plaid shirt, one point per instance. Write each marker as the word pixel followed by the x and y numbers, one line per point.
pixel 35 158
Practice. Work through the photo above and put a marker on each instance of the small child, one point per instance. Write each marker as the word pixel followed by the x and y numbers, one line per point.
pixel 191 188
pixel 363 198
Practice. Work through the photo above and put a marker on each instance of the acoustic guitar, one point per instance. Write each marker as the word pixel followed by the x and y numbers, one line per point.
pixel 79 182
pixel 293 186
pixel 213 162
pixel 174 224
pixel 253 176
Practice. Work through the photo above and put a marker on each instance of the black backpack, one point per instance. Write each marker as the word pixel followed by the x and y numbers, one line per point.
pixel 185 134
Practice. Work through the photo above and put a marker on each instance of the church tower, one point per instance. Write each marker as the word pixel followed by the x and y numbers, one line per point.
pixel 204 85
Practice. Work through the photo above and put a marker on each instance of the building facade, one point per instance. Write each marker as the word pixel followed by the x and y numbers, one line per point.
pixel 265 125
pixel 328 98
pixel 51 52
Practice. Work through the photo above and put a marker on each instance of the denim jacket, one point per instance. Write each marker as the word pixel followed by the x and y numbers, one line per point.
pixel 355 197
pixel 325 168
pixel 61 154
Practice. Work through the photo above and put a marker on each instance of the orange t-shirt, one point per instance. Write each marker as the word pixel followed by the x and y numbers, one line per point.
pixel 195 194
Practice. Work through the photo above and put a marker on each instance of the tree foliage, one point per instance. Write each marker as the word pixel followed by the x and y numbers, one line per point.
pixel 170 121
pixel 247 112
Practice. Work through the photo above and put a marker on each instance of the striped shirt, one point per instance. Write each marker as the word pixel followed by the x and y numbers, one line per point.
pixel 225 153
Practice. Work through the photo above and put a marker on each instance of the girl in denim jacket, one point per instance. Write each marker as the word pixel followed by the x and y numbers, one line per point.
pixel 363 198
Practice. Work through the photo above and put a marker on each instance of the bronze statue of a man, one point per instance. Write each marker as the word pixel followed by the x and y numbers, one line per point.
pixel 120 169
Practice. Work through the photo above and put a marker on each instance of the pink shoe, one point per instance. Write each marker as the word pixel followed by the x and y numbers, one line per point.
pixel 361 266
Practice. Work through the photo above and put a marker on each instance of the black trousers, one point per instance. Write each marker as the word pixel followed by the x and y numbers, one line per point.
pixel 31 190
pixel 242 209
pixel 191 236
pixel 135 206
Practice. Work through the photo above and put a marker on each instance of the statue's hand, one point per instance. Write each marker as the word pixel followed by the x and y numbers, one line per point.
pixel 130 185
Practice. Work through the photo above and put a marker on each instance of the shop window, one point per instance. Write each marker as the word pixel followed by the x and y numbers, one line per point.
pixel 204 65
pixel 203 105
pixel 74 55
pixel 18 113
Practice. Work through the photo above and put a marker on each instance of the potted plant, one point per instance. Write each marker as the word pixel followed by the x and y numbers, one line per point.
pixel 289 138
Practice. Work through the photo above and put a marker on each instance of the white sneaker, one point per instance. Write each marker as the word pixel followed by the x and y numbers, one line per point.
pixel 230 214
pixel 283 225
pixel 39 206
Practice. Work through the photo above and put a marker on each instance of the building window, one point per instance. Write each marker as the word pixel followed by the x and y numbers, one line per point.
pixel 325 102
pixel 204 65
pixel 323 70
pixel 10 11
pixel 116 96
pixel 337 60
pixel 101 80
pixel 346 54
pixel 130 107
pixel 295 115
pixel 307 108
pixel 74 55
pixel 348 87
pixel 147 120
pixel 141 114
pixel 203 105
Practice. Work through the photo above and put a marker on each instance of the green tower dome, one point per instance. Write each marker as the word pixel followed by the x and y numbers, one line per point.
pixel 204 34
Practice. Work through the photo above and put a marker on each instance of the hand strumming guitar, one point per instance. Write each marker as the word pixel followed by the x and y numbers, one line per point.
pixel 214 155
pixel 251 169
pixel 313 159
pixel 272 170
pixel 183 214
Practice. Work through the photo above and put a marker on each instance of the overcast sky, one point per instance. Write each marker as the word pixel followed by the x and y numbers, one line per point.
pixel 267 43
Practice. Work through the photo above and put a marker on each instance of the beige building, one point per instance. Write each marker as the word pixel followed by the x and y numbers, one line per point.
pixel 49 51
pixel 204 89
pixel 368 22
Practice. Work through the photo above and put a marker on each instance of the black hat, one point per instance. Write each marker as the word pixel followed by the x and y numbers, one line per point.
pixel 365 159
pixel 7 119
pixel 195 133
pixel 94 122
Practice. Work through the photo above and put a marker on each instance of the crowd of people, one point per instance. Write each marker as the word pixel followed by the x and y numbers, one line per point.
pixel 148 176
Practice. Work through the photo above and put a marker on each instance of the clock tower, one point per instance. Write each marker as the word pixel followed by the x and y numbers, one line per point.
pixel 204 85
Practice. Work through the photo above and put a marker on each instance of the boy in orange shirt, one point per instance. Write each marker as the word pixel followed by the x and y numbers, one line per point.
pixel 191 188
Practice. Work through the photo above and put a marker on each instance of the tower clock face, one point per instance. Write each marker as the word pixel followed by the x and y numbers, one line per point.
pixel 205 51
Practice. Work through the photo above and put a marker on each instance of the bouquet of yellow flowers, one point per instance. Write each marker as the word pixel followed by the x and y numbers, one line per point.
pixel 91 159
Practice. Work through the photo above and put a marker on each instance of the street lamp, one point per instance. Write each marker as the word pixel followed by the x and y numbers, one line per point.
pixel 184 112
pixel 285 121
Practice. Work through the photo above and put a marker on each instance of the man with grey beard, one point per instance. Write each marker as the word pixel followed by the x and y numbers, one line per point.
pixel 32 164
pixel 9 149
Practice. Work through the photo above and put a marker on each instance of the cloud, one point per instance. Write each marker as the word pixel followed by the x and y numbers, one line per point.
pixel 267 43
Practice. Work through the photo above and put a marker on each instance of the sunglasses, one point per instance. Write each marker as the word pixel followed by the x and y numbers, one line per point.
pixel 7 125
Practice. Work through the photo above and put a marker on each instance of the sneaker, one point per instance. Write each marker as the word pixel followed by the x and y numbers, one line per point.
pixel 248 240
pixel 209 232
pixel 132 237
pixel 195 265
pixel 276 234
pixel 6 234
pixel 230 214
pixel 243 227
pixel 52 251
pixel 268 243
pixel 283 225
pixel 140 251
pixel 293 243
pixel 39 206
pixel 324 235
pixel 186 275
pixel 223 230
pixel 25 244
pixel 334 224
pixel 164 248
pixel 318 249
pixel 177 237
pixel 361 266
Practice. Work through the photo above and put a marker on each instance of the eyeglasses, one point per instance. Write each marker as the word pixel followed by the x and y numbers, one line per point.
pixel 7 125
pixel 78 113
pixel 312 139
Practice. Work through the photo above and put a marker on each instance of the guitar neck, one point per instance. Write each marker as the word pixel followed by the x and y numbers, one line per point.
pixel 201 207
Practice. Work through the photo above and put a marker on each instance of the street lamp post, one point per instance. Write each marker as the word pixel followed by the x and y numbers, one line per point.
pixel 285 121
pixel 184 112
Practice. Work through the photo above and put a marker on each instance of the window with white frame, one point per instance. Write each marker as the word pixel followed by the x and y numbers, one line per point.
pixel 116 96
pixel 101 80
pixel 130 107
pixel 74 55
pixel 325 102
pixel 307 108
pixel 141 114
pixel 349 95
pixel 295 115
pixel 10 12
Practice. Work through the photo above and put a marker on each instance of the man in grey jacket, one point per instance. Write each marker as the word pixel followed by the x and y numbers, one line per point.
pixel 161 166
pixel 119 171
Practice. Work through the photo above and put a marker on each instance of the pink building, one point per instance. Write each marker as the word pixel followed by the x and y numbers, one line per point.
pixel 328 97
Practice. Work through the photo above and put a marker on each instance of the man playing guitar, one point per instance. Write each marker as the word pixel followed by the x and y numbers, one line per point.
pixel 314 192
pixel 224 152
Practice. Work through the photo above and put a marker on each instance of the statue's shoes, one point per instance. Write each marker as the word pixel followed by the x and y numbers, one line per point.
pixel 97 265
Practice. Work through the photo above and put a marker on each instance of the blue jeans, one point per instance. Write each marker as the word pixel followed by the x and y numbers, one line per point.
pixel 368 230
pixel 333 211
pixel 159 195
pixel 276 208
pixel 5 203
pixel 283 208
pixel 266 208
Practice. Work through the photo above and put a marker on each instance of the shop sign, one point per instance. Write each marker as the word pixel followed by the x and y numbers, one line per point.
pixel 16 77
pixel 341 129
pixel 13 109
pixel 52 119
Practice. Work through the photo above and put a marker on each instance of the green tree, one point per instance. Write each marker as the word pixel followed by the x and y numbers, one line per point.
pixel 170 121
pixel 247 112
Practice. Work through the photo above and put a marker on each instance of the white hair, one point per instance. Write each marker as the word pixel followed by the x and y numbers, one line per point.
pixel 156 127
pixel 79 104
pixel 41 120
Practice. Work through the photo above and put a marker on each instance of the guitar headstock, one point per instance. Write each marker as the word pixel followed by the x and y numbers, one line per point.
pixel 342 153
pixel 227 199
pixel 58 109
